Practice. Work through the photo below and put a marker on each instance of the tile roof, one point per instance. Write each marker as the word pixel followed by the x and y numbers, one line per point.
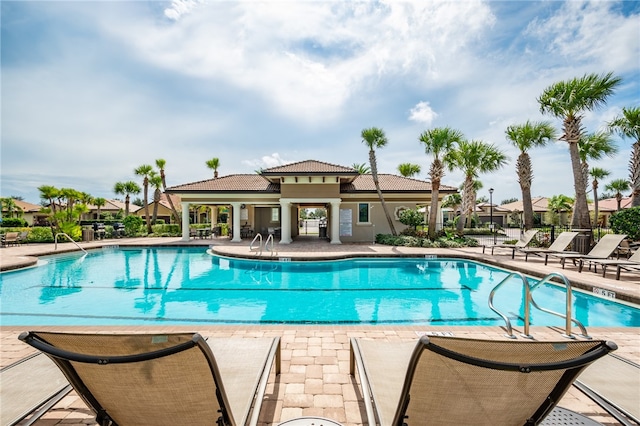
pixel 540 204
pixel 390 183
pixel 231 183
pixel 309 167
pixel 611 204
pixel 25 206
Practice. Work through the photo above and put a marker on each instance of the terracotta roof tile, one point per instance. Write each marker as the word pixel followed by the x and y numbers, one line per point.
pixel 309 167
pixel 231 183
pixel 391 183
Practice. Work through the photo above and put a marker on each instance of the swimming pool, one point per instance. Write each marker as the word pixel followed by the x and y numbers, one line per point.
pixel 188 286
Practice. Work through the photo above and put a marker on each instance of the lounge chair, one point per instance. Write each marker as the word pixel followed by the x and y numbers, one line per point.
pixel 603 250
pixel 559 245
pixel 613 383
pixel 524 241
pixel 30 387
pixel 455 381
pixel 626 267
pixel 164 379
pixel 633 261
pixel 10 239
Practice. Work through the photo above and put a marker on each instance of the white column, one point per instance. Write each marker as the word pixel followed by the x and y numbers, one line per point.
pixel 185 221
pixel 236 222
pixel 335 222
pixel 285 222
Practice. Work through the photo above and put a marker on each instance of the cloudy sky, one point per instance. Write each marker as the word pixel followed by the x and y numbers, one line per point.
pixel 92 90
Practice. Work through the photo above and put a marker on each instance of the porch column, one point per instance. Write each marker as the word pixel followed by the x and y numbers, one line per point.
pixel 335 222
pixel 185 221
pixel 236 222
pixel 285 222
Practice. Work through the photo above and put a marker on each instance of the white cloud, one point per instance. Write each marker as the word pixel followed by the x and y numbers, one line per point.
pixel 267 161
pixel 180 7
pixel 422 113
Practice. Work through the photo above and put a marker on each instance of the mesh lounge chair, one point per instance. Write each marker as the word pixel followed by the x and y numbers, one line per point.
pixel 164 379
pixel 613 383
pixel 524 241
pixel 453 381
pixel 632 262
pixel 603 250
pixel 558 246
pixel 30 387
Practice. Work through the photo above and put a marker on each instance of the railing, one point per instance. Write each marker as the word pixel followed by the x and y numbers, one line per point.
pixel 528 290
pixel 270 248
pixel 258 249
pixel 70 239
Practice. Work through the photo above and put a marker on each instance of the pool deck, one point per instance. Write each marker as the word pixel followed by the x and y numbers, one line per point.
pixel 315 378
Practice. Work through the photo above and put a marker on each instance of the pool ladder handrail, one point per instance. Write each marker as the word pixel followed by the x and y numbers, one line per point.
pixel 528 289
pixel 259 248
pixel 262 246
pixel 70 239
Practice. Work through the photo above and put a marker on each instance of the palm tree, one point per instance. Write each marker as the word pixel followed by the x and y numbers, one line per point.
pixel 524 137
pixel 568 100
pixel 160 163
pixel 438 142
pixel 145 171
pixel 49 193
pixel 10 206
pixel 375 138
pixel 155 181
pixel 597 174
pixel 361 168
pixel 559 203
pixel 213 164
pixel 628 125
pixel 593 147
pixel 99 202
pixel 618 186
pixel 473 158
pixel 408 170
pixel 126 189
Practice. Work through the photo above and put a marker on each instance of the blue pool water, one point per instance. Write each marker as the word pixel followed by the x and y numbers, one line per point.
pixel 189 286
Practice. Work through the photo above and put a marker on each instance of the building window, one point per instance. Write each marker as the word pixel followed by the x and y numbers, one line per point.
pixel 275 214
pixel 363 213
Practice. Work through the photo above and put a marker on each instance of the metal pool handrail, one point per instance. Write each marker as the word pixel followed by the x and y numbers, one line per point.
pixel 259 248
pixel 70 239
pixel 528 289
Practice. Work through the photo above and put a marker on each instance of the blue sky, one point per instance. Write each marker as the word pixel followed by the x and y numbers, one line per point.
pixel 92 90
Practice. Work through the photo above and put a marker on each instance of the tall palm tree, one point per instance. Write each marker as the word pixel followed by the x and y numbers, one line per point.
pixel 146 172
pixel 160 163
pixel 375 138
pixel 595 146
pixel 213 164
pixel 361 168
pixel 155 180
pixel 568 100
pixel 628 125
pixel 597 174
pixel 126 189
pixel 438 142
pixel 524 137
pixel 99 202
pixel 474 157
pixel 618 186
pixel 409 170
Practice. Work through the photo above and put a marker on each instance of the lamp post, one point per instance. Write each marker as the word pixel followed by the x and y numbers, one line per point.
pixel 491 225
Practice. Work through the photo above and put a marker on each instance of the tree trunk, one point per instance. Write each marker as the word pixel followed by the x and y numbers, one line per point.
pixel 580 208
pixel 174 212
pixel 146 204
pixel 634 168
pixel 595 203
pixel 436 175
pixel 374 175
pixel 523 166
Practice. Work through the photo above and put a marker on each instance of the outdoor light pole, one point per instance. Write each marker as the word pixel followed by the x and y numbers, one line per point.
pixel 491 225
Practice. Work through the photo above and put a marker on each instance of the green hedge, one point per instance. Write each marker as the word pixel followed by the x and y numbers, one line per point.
pixel 626 221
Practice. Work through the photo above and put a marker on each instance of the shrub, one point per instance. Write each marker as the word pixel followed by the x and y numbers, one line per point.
pixel 40 234
pixel 13 222
pixel 132 225
pixel 626 221
pixel 166 230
